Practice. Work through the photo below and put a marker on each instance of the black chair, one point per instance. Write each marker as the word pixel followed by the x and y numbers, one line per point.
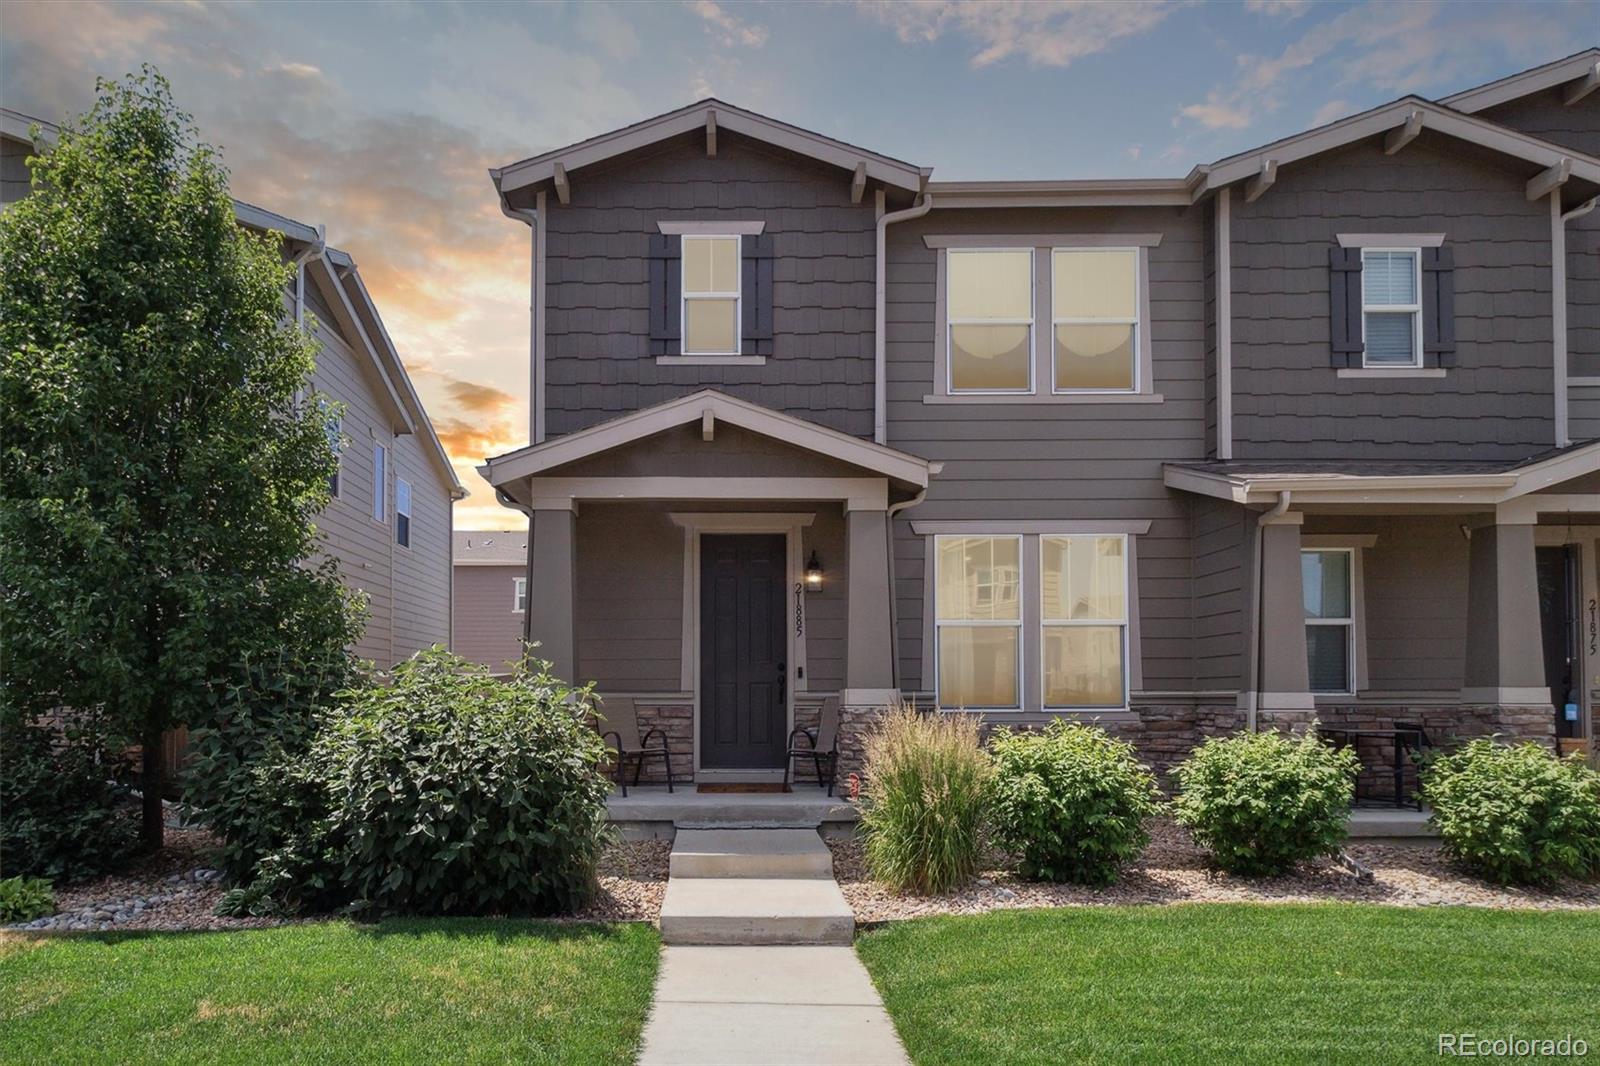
pixel 822 746
pixel 619 711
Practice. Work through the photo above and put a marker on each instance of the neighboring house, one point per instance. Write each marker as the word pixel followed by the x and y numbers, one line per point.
pixel 389 522
pixel 491 595
pixel 1307 432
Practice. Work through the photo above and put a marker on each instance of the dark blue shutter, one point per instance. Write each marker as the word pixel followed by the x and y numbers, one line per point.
pixel 666 291
pixel 1344 306
pixel 1438 307
pixel 756 294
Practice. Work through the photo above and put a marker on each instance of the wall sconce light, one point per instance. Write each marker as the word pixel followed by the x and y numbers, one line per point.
pixel 813 573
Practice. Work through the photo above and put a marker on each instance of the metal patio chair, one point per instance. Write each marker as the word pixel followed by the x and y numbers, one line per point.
pixel 620 713
pixel 822 746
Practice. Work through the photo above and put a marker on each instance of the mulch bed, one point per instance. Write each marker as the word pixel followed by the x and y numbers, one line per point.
pixel 1173 870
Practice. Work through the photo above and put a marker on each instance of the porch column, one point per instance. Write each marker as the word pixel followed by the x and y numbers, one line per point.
pixel 1504 651
pixel 869 650
pixel 1283 689
pixel 552 573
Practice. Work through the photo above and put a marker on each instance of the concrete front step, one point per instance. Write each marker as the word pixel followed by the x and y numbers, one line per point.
pixel 750 853
pixel 755 910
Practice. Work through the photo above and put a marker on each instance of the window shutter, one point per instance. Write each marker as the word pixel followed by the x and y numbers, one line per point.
pixel 1438 307
pixel 756 285
pixel 1344 306
pixel 666 292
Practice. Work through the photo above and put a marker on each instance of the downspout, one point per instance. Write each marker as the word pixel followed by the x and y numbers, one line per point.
pixel 1258 564
pixel 311 251
pixel 880 391
pixel 1560 300
pixel 894 611
pixel 530 217
pixel 527 563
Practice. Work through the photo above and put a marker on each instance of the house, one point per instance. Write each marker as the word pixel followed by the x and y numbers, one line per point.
pixel 1307 432
pixel 389 522
pixel 491 595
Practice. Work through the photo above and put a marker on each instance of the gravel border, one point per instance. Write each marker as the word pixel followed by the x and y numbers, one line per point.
pixel 1173 870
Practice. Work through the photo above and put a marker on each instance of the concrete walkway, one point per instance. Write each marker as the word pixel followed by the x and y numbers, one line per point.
pixel 758 966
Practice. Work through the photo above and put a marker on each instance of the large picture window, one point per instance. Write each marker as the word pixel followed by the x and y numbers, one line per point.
pixel 711 295
pixel 978 618
pixel 1327 582
pixel 989 301
pixel 1391 307
pixel 1083 596
pixel 1095 319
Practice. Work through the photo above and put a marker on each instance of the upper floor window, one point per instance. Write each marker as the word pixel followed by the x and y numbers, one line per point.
pixel 989 298
pixel 336 444
pixel 1095 318
pixel 380 484
pixel 519 594
pixel 711 295
pixel 1391 307
pixel 402 512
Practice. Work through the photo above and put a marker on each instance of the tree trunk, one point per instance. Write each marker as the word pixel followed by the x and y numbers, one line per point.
pixel 152 829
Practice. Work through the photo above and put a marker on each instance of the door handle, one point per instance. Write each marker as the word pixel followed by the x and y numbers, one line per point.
pixel 783 682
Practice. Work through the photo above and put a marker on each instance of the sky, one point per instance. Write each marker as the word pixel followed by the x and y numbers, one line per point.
pixel 380 120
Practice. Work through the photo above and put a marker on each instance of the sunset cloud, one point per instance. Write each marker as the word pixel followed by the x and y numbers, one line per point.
pixel 1045 32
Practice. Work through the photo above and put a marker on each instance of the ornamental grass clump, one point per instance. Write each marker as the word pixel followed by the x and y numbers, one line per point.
pixel 1515 813
pixel 1070 802
pixel 1261 802
pixel 925 799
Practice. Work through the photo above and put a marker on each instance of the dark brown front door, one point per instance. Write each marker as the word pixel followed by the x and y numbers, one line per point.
pixel 743 693
pixel 1558 622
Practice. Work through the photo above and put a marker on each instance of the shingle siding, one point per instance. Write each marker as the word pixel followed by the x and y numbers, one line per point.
pixel 1496 403
pixel 488 630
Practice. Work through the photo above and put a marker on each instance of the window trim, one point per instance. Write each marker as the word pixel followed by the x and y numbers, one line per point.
pixel 1018 623
pixel 1350 622
pixel 1125 625
pixel 519 595
pixel 399 512
pixel 1415 310
pixel 380 484
pixel 336 443
pixel 1140 307
pixel 684 297
pixel 1031 322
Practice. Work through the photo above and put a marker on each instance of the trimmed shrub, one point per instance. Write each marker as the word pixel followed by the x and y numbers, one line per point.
pixel 1070 801
pixel 22 899
pixel 1261 802
pixel 62 817
pixel 1514 812
pixel 925 799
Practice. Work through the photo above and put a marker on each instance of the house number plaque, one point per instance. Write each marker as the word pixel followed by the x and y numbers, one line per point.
pixel 799 610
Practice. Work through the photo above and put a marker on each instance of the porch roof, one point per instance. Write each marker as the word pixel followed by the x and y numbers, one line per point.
pixel 1473 483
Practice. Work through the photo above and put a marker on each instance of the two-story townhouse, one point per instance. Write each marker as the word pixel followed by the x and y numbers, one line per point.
pixel 1300 434
pixel 491 595
pixel 389 522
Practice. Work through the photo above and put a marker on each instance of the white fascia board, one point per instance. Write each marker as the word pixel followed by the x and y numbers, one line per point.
pixel 352 324
pixel 1558 468
pixel 527 462
pixel 1526 83
pixel 259 218
pixel 1477 489
pixel 1134 192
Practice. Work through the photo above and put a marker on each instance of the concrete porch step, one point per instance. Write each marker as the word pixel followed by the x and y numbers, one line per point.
pixel 769 853
pixel 754 910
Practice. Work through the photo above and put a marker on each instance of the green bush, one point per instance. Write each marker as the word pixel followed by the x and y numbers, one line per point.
pixel 62 817
pixel 22 899
pixel 926 798
pixel 1516 813
pixel 1070 801
pixel 1261 802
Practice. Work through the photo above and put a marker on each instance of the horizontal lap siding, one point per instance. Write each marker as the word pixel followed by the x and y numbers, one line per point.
pixel 1496 403
pixel 488 630
pixel 1029 461
pixel 15 178
pixel 598 363
pixel 422 572
pixel 1222 553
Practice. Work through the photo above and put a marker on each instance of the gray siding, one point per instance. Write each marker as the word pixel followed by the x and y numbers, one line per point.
pixel 488 630
pixel 598 361
pixel 1496 403
pixel 14 176
pixel 1025 461
pixel 1222 547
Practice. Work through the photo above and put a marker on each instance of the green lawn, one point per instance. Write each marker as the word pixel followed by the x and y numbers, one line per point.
pixel 1327 983
pixel 396 992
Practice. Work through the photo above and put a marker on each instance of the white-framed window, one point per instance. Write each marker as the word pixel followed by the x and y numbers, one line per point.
pixel 978 621
pixel 1327 579
pixel 1094 319
pixel 519 595
pixel 1391 307
pixel 989 320
pixel 1083 614
pixel 402 512
pixel 711 294
pixel 380 484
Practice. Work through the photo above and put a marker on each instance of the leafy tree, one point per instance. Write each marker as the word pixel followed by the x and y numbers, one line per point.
pixel 160 463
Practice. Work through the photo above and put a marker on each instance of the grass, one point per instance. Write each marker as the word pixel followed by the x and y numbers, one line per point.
pixel 462 990
pixel 1241 983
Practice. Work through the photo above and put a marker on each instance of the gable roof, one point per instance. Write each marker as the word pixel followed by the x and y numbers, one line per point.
pixel 489 547
pixel 1581 71
pixel 1405 117
pixel 695 407
pixel 710 114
